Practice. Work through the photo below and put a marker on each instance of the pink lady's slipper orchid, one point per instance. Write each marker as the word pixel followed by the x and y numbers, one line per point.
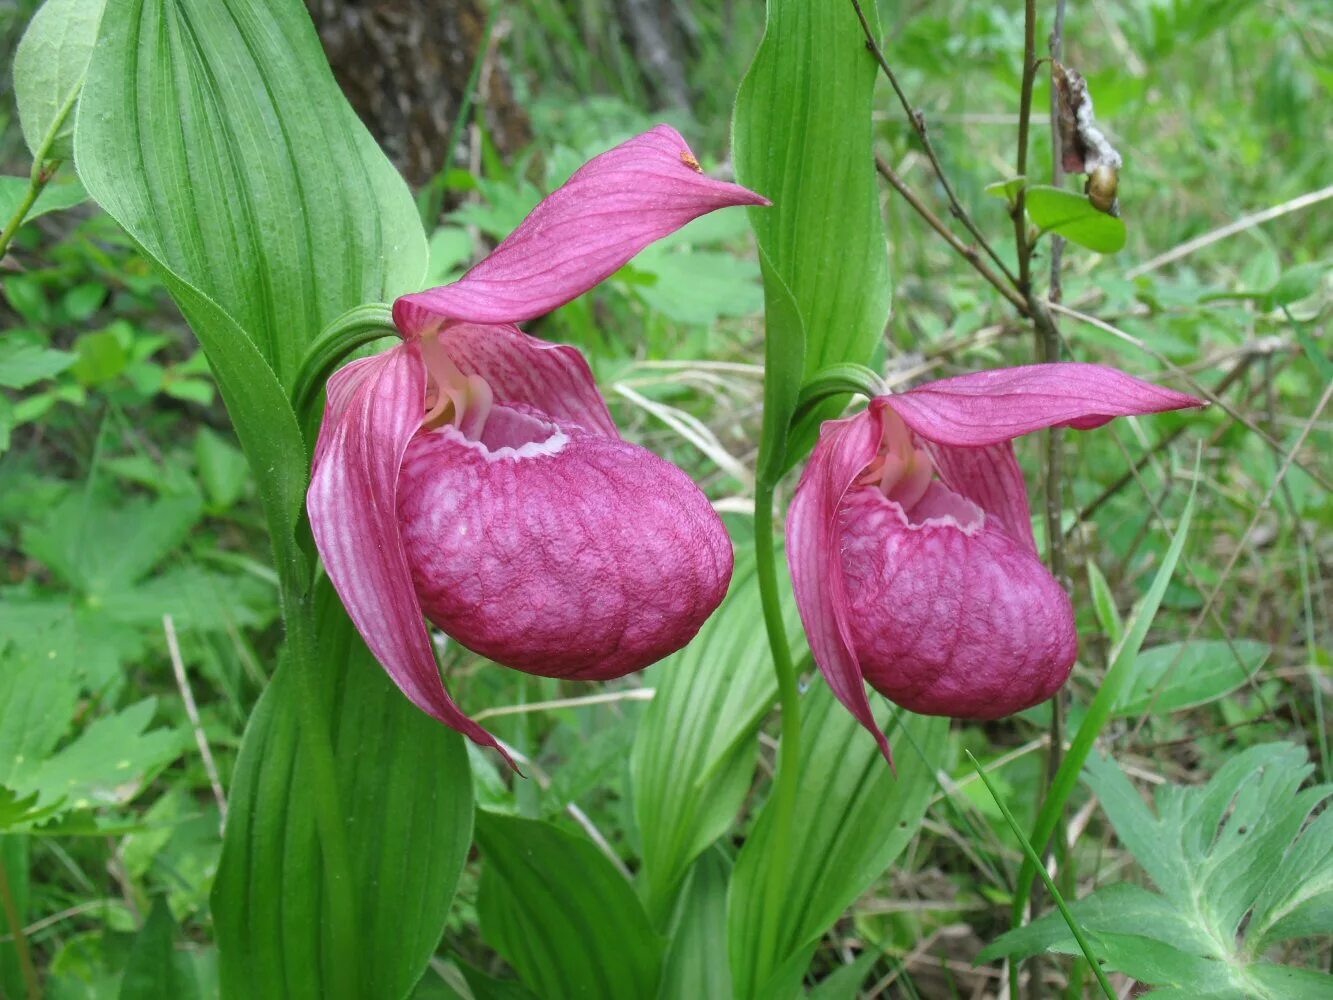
pixel 473 474
pixel 911 544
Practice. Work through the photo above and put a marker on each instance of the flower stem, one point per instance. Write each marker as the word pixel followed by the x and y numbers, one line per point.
pixel 789 752
pixel 42 170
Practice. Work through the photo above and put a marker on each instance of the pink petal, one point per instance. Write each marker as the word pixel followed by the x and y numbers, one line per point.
pixel 556 551
pixel 991 478
pixel 613 207
pixel 553 378
pixel 374 409
pixel 946 621
pixel 814 551
pixel 991 407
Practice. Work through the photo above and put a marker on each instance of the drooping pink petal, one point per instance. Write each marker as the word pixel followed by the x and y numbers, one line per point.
pixel 814 552
pixel 553 378
pixel 375 407
pixel 613 207
pixel 990 407
pixel 950 619
pixel 557 551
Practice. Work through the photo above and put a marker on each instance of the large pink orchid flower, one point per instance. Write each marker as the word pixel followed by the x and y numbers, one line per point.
pixel 472 474
pixel 911 546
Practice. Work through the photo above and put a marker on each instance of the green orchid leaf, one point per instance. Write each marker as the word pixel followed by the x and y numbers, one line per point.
pixel 802 136
pixel 405 789
pixel 694 752
pixel 560 913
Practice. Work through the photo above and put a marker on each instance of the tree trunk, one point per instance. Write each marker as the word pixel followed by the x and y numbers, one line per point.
pixel 404 66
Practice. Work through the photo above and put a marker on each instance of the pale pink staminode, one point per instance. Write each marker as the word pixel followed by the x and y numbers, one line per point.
pixel 473 475
pixel 911 546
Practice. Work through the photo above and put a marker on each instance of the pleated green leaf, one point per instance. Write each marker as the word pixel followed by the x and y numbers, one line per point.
pixel 560 913
pixel 853 817
pixel 694 752
pixel 406 793
pixel 802 136
pixel 214 132
pixel 696 960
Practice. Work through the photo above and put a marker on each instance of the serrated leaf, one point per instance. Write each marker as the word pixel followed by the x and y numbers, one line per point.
pixel 549 902
pixel 1180 675
pixel 853 817
pixel 694 753
pixel 1236 852
pixel 406 795
pixel 1073 216
pixel 698 286
pixel 69 540
pixel 108 763
pixel 49 67
pixel 802 136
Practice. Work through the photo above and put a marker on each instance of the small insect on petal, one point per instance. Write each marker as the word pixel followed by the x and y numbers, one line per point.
pixel 687 158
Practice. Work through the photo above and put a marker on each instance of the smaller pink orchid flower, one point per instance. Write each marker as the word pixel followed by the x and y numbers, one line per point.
pixel 472 475
pixel 911 546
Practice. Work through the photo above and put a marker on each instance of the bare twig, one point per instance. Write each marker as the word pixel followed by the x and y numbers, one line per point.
pixel 1288 460
pixel 1225 383
pixel 918 120
pixel 192 711
pixel 1231 229
pixel 607 698
pixel 1194 386
pixel 968 253
pixel 1021 159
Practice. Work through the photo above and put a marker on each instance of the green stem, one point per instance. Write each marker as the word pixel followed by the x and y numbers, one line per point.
pixel 313 704
pixel 789 753
pixel 15 920
pixel 35 187
pixel 41 172
pixel 1030 853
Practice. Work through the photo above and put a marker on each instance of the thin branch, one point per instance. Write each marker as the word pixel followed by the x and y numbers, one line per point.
pixel 606 698
pixel 1021 159
pixel 1231 229
pixel 968 253
pixel 1194 386
pixel 1057 50
pixel 192 711
pixel 1225 383
pixel 918 120
pixel 1288 460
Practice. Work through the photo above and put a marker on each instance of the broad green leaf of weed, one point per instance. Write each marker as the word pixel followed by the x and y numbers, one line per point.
pixel 1238 852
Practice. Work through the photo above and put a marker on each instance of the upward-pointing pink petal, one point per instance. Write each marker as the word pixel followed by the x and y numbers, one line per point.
pixel 585 231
